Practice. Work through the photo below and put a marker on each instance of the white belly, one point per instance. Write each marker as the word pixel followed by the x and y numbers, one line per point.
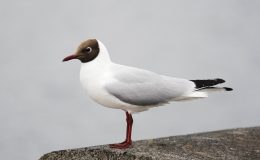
pixel 96 91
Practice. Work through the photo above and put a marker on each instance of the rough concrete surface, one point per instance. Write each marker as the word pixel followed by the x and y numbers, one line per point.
pixel 234 144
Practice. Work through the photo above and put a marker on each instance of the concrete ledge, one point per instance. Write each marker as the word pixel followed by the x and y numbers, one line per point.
pixel 235 144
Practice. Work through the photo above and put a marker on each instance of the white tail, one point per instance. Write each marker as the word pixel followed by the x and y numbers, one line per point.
pixel 191 96
pixel 201 93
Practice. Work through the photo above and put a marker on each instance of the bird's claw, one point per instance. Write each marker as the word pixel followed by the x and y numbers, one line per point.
pixel 122 145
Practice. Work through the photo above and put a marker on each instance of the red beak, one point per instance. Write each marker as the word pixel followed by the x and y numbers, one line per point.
pixel 70 57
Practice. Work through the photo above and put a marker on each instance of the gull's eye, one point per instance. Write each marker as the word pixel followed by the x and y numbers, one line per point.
pixel 88 49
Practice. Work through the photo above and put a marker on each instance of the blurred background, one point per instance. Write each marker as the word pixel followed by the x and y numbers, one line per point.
pixel 43 107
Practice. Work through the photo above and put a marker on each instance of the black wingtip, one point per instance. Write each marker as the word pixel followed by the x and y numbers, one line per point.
pixel 219 80
pixel 228 89
pixel 207 82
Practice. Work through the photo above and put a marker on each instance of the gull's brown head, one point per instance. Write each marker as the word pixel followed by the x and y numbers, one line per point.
pixel 86 52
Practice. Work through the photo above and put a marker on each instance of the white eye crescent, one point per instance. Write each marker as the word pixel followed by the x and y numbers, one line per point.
pixel 86 50
pixel 89 49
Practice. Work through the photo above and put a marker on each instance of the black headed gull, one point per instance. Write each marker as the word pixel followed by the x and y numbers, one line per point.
pixel 132 89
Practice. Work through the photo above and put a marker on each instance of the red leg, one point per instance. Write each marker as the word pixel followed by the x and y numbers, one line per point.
pixel 128 140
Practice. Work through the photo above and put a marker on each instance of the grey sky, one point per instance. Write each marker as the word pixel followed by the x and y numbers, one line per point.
pixel 43 107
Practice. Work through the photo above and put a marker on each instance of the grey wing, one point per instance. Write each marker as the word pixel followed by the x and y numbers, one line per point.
pixel 144 88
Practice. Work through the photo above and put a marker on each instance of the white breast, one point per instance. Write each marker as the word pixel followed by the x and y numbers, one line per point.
pixel 93 83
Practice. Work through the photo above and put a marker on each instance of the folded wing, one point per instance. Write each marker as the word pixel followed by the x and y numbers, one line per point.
pixel 144 88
